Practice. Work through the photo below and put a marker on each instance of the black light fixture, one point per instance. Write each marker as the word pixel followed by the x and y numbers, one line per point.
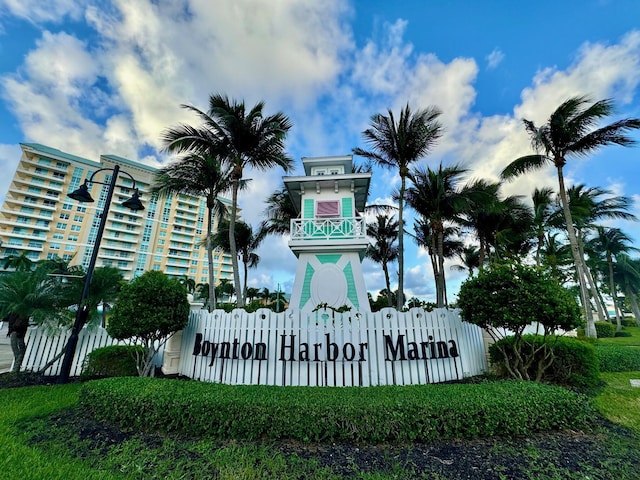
pixel 82 195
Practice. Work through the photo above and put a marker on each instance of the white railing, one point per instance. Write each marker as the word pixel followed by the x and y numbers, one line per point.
pixel 331 349
pixel 345 228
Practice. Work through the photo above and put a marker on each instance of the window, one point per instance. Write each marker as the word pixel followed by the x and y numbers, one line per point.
pixel 78 218
pixel 64 216
pixel 81 209
pixel 54 246
pixel 327 208
pixel 72 238
pixel 67 206
pixel 58 236
pixel 75 228
pixel 61 225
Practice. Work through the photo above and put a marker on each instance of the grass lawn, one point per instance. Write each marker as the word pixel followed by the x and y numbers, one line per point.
pixel 44 437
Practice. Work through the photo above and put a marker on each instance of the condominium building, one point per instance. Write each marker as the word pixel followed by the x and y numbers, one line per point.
pixel 39 219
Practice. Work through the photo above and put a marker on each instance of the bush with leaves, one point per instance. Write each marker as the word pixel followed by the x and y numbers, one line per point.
pixel 505 299
pixel 112 361
pixel 605 329
pixel 148 311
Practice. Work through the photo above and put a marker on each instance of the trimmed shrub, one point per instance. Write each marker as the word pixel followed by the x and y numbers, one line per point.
pixel 575 363
pixel 628 322
pixel 622 334
pixel 618 358
pixel 112 361
pixel 370 414
pixel 605 329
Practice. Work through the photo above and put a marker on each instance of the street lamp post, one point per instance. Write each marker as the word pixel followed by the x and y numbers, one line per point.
pixel 82 195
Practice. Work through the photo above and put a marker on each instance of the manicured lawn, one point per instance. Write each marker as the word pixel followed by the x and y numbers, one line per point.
pixel 39 443
pixel 633 340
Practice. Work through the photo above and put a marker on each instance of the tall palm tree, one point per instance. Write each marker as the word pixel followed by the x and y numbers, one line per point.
pixel 627 275
pixel 437 198
pixel 587 207
pixel 279 212
pixel 246 245
pixel 384 233
pixel 542 210
pixel 570 132
pixel 241 139
pixel 398 145
pixel 612 242
pixel 200 175
pixel 556 257
pixel 106 283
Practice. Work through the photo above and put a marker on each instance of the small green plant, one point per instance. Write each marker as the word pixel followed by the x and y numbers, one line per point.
pixel 148 311
pixel 605 329
pixel 622 334
pixel 112 361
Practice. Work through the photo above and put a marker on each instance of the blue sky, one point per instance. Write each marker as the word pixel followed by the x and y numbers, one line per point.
pixel 106 77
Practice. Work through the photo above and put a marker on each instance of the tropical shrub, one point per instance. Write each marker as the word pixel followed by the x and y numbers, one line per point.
pixel 505 299
pixel 112 361
pixel 148 311
pixel 622 334
pixel 618 358
pixel 605 329
pixel 575 363
pixel 358 414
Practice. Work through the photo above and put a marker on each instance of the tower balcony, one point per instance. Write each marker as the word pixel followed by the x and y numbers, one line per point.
pixel 328 232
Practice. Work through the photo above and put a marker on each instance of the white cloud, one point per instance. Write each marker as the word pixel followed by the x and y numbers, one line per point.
pixel 9 157
pixel 494 58
pixel 37 11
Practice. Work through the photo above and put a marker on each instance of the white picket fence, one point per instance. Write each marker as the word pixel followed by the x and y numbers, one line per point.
pixel 43 346
pixel 331 349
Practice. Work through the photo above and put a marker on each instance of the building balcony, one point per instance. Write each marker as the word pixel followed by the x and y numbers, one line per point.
pixel 328 229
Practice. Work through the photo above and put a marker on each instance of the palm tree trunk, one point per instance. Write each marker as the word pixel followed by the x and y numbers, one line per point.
pixel 590 280
pixel 481 254
pixel 631 295
pixel 232 240
pixel 590 328
pixel 441 286
pixel 400 299
pixel 212 287
pixel 612 287
pixel 245 262
pixel 385 269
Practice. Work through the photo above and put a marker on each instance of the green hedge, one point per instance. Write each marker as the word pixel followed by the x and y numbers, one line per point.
pixel 371 414
pixel 623 334
pixel 605 329
pixel 575 364
pixel 112 361
pixel 618 358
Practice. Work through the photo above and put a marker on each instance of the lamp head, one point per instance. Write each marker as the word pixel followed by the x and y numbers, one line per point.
pixel 134 202
pixel 82 194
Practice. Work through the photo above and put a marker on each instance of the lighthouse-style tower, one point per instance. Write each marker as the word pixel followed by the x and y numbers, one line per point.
pixel 329 236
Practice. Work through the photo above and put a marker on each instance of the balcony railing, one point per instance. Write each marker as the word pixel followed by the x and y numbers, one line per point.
pixel 328 228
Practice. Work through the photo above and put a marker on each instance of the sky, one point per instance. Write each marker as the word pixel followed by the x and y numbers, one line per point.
pixel 108 77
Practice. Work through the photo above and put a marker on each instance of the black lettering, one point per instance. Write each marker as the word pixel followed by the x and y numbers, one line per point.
pixel 303 356
pixel 214 350
pixel 206 348
pixel 284 346
pixel 225 350
pixel 453 349
pixel 197 346
pixel 398 349
pixel 236 342
pixel 412 351
pixel 348 351
pixel 443 352
pixel 261 351
pixel 424 346
pixel 363 346
pixel 316 355
pixel 246 351
pixel 332 349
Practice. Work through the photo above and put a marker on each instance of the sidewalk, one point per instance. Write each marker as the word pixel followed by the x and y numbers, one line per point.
pixel 6 355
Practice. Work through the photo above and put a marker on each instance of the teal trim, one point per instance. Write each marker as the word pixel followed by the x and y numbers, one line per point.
pixel 352 292
pixel 308 208
pixel 54 152
pixel 305 295
pixel 329 257
pixel 347 207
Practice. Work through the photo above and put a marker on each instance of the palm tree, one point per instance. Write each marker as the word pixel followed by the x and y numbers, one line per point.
pixel 435 196
pixel 240 139
pixel 470 258
pixel 627 275
pixel 199 175
pixel 225 288
pixel 384 233
pixel 612 242
pixel 569 132
pixel 542 210
pixel 252 293
pixel 37 297
pixel 246 245
pixel 19 263
pixel 106 283
pixel 556 257
pixel 398 145
pixel 279 212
